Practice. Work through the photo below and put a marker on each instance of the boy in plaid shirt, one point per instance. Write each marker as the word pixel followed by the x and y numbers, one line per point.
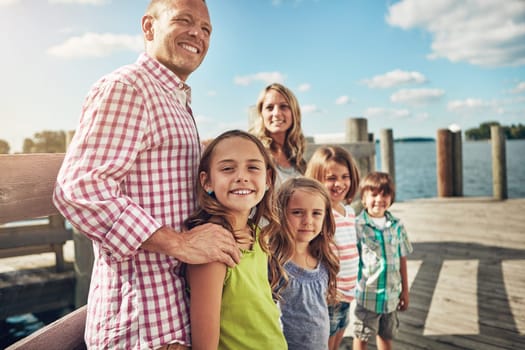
pixel 382 285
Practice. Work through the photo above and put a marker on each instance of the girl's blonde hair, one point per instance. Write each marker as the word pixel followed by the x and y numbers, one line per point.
pixel 282 242
pixel 378 182
pixel 210 210
pixel 316 168
pixel 295 142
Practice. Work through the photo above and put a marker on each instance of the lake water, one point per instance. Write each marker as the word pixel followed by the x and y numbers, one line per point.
pixel 415 164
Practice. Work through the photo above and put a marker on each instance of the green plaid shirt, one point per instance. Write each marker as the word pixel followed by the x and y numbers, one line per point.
pixel 379 278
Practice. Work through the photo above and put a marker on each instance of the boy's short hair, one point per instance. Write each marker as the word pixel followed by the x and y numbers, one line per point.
pixel 378 182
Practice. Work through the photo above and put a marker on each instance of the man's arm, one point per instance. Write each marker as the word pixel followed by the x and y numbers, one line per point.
pixel 203 244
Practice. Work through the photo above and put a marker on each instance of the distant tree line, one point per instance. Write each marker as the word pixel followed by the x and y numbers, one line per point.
pixel 42 142
pixel 483 131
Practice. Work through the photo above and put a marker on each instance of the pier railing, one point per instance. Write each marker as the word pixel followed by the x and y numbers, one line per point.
pixel 26 187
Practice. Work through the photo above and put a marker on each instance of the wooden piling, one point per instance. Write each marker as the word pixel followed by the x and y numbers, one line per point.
pixel 372 141
pixel 499 168
pixel 387 152
pixel 457 164
pixel 357 132
pixel 444 167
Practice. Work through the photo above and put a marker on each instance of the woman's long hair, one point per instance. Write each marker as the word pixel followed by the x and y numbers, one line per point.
pixel 282 242
pixel 295 142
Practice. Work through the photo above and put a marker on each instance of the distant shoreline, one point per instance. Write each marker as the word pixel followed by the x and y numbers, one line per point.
pixel 415 139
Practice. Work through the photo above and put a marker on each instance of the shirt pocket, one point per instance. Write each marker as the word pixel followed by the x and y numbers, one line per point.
pixel 371 252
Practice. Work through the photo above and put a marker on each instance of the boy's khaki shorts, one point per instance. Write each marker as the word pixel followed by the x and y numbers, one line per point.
pixel 366 323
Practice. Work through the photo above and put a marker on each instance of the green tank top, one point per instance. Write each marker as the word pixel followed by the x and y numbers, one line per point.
pixel 249 316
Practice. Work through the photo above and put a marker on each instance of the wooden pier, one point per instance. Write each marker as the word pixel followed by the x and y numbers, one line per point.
pixel 466 274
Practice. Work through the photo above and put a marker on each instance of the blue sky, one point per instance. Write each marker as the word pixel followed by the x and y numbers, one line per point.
pixel 414 66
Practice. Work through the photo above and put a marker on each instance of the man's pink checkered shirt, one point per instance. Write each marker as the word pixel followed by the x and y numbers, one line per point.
pixel 130 169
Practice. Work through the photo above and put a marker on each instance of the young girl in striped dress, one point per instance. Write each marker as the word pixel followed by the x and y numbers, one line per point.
pixel 335 168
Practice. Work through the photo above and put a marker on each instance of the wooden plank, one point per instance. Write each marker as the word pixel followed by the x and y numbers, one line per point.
pixel 67 332
pixel 35 290
pixel 445 232
pixel 26 185
pixel 516 298
pixel 29 250
pixel 16 237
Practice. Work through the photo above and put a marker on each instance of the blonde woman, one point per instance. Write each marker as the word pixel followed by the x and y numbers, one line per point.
pixel 279 129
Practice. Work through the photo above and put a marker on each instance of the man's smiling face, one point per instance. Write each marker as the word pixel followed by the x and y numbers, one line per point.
pixel 178 35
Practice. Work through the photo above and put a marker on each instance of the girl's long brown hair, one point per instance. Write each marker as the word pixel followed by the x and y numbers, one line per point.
pixel 282 242
pixel 210 210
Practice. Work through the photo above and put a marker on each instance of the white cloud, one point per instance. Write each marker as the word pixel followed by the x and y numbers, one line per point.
pixel 471 106
pixel 304 87
pixel 469 103
pixel 422 116
pixel 8 2
pixel 280 2
pixel 417 96
pixel 474 107
pixel 519 88
pixel 378 112
pixel 210 127
pixel 267 77
pixel 96 45
pixel 395 78
pixel 480 32
pixel 308 109
pixel 203 120
pixel 212 93
pixel 82 2
pixel 342 100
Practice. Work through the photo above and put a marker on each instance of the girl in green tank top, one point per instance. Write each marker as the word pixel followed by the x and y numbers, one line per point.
pixel 232 308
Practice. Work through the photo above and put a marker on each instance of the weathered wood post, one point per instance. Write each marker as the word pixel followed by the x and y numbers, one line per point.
pixel 83 258
pixel 372 140
pixel 444 167
pixel 357 131
pixel 457 163
pixel 387 153
pixel 57 222
pixel 499 168
pixel 449 163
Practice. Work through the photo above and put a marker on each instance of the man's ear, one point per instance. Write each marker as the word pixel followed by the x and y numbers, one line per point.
pixel 147 27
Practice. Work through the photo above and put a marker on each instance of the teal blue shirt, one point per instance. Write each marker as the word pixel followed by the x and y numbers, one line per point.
pixel 380 251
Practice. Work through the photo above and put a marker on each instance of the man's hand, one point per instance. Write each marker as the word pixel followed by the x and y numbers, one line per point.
pixel 203 244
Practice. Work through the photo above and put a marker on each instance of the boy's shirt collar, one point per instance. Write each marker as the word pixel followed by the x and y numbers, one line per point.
pixel 365 219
